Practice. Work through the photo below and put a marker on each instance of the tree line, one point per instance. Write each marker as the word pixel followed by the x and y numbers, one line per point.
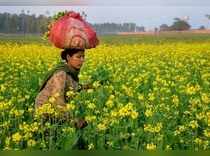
pixel 23 23
pixel 27 23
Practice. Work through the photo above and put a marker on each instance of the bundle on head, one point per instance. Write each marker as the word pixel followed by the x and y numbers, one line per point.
pixel 72 31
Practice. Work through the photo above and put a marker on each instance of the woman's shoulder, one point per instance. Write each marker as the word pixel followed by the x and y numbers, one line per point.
pixel 62 75
pixel 56 81
pixel 59 74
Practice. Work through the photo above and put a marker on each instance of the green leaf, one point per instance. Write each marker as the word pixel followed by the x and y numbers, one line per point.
pixel 69 141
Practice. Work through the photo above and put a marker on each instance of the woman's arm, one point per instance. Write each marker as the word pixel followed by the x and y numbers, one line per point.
pixel 55 88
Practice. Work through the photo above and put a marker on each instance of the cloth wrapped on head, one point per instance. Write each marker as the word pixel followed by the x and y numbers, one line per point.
pixel 72 31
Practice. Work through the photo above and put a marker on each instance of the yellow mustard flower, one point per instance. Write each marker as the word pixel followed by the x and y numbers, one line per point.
pixel 16 137
pixel 151 147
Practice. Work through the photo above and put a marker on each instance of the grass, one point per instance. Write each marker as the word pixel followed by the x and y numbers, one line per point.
pixel 116 39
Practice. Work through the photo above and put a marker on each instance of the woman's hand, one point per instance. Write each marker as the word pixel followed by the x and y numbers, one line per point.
pixel 87 86
pixel 80 123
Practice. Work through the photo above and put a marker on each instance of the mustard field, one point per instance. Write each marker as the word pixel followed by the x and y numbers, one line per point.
pixel 144 97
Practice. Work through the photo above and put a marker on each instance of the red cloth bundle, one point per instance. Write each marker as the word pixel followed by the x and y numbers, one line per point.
pixel 72 31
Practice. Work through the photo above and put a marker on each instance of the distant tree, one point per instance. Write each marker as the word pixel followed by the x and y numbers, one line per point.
pixel 180 25
pixel 43 22
pixel 207 16
pixel 23 21
pixel 202 27
pixel 156 29
pixel 109 28
pixel 164 27
pixel 140 29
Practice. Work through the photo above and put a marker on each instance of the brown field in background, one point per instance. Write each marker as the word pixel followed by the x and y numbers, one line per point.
pixel 207 31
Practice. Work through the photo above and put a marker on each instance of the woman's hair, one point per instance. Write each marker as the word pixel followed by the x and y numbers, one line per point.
pixel 70 52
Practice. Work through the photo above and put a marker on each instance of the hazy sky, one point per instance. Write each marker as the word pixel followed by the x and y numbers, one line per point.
pixel 109 2
pixel 149 13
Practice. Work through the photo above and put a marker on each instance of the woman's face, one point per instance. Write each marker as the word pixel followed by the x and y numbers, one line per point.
pixel 76 60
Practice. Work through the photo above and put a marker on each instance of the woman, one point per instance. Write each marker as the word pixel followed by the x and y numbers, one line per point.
pixel 58 82
pixel 68 30
pixel 61 79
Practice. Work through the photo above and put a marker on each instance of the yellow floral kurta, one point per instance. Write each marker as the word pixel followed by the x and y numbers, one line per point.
pixel 57 86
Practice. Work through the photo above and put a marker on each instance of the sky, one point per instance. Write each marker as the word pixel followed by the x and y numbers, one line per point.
pixel 109 2
pixel 148 13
